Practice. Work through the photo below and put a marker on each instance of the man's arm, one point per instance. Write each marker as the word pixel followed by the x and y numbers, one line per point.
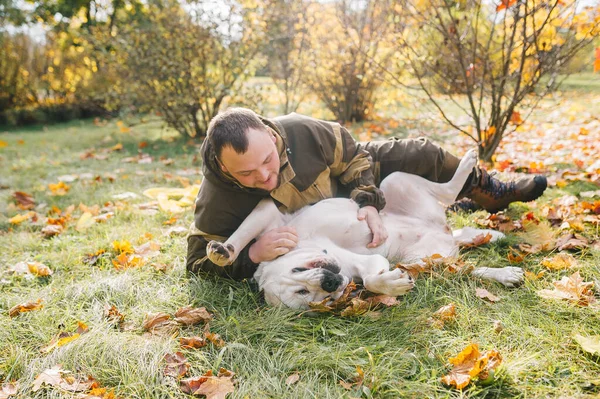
pixel 353 168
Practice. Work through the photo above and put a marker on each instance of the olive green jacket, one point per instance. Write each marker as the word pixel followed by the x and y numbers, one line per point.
pixel 319 160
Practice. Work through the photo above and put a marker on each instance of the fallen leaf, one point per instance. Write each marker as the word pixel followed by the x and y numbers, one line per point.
pixel 485 294
pixel 122 247
pixel 53 377
pixel 59 189
pixel 18 219
pixel 175 231
pixel 112 314
pixel 177 366
pixel 214 339
pixel 589 344
pixel 498 327
pixel 159 324
pixel 572 289
pixel 173 200
pixel 571 241
pixel 469 364
pixel 39 269
pixel 382 299
pixel 92 259
pixel 25 307
pixel 8 389
pixel 124 261
pixel 52 230
pixel 446 313
pixel 356 308
pixel 3 144
pixel 560 261
pixel 478 240
pixel 148 250
pixel 190 316
pixel 356 382
pixel 85 222
pixel 292 379
pixel 534 276
pixel 212 387
pixel 192 342
pixel 538 235
pixel 24 201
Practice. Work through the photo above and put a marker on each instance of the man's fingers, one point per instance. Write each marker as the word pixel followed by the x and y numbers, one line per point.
pixel 281 251
pixel 287 229
pixel 284 242
pixel 288 236
pixel 362 214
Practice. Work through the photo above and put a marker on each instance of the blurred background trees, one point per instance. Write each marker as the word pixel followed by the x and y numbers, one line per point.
pixel 185 60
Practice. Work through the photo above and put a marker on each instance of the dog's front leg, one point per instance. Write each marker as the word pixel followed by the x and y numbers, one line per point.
pixel 509 276
pixel 377 277
pixel 264 216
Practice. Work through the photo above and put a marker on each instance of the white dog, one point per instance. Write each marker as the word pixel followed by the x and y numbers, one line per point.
pixel 332 242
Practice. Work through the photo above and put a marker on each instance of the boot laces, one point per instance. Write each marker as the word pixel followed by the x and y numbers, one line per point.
pixel 497 188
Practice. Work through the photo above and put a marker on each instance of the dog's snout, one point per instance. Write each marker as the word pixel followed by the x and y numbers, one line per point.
pixel 331 281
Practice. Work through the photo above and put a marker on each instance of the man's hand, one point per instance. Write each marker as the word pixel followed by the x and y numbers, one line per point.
pixel 371 215
pixel 273 243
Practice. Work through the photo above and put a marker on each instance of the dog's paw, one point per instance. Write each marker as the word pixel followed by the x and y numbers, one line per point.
pixel 469 160
pixel 220 254
pixel 509 276
pixel 393 283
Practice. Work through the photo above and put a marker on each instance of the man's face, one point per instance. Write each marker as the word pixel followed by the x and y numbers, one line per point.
pixel 259 166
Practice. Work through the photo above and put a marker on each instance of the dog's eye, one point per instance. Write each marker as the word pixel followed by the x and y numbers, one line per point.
pixel 325 251
pixel 299 269
pixel 302 292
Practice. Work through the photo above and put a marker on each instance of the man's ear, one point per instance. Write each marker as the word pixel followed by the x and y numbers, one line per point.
pixel 223 168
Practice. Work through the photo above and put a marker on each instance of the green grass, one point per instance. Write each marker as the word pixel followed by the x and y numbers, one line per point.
pixel 400 354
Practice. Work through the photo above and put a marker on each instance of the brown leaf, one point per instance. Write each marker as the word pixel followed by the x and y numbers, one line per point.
pixel 210 386
pixel 24 201
pixel 52 230
pixel 177 365
pixel 190 316
pixel 292 379
pixel 214 339
pixel 382 299
pixel 192 342
pixel 159 324
pixel 485 294
pixel 25 307
pixel 53 377
pixel 478 240
pixel 356 308
pixel 148 250
pixel 321 306
pixel 571 241
pixel 112 314
pixel 572 289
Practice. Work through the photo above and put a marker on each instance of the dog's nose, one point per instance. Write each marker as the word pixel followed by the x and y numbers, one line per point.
pixel 331 281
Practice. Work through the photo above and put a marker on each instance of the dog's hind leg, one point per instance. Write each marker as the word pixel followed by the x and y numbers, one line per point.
pixel 446 193
pixel 264 216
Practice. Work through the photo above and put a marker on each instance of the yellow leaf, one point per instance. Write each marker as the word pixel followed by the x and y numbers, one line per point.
pixel 469 364
pixel 59 189
pixel 25 307
pixel 572 289
pixel 3 144
pixel 65 340
pixel 123 247
pixel 18 219
pixel 85 221
pixel 589 344
pixel 39 269
pixel 560 261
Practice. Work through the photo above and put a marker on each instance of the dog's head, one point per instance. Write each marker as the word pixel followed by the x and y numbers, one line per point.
pixel 301 276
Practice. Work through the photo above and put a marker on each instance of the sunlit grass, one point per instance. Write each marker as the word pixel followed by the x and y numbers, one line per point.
pixel 401 355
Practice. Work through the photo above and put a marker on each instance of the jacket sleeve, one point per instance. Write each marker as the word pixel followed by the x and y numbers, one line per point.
pixel 353 166
pixel 219 212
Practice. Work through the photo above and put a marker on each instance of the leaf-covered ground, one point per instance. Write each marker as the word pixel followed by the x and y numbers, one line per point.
pixel 104 292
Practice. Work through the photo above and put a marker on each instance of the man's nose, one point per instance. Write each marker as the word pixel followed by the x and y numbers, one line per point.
pixel 263 174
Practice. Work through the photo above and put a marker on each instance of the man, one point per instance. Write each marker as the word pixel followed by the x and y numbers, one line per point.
pixel 297 161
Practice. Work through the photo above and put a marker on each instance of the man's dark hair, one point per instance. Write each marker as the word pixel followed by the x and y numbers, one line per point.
pixel 229 129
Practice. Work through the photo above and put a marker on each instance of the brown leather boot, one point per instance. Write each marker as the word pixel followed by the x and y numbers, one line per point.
pixel 494 195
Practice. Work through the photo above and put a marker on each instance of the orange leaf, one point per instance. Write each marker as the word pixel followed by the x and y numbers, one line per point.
pixel 212 387
pixel 192 342
pixel 24 200
pixel 469 364
pixel 597 61
pixel 189 316
pixel 59 189
pixel 560 261
pixel 505 4
pixel 25 307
